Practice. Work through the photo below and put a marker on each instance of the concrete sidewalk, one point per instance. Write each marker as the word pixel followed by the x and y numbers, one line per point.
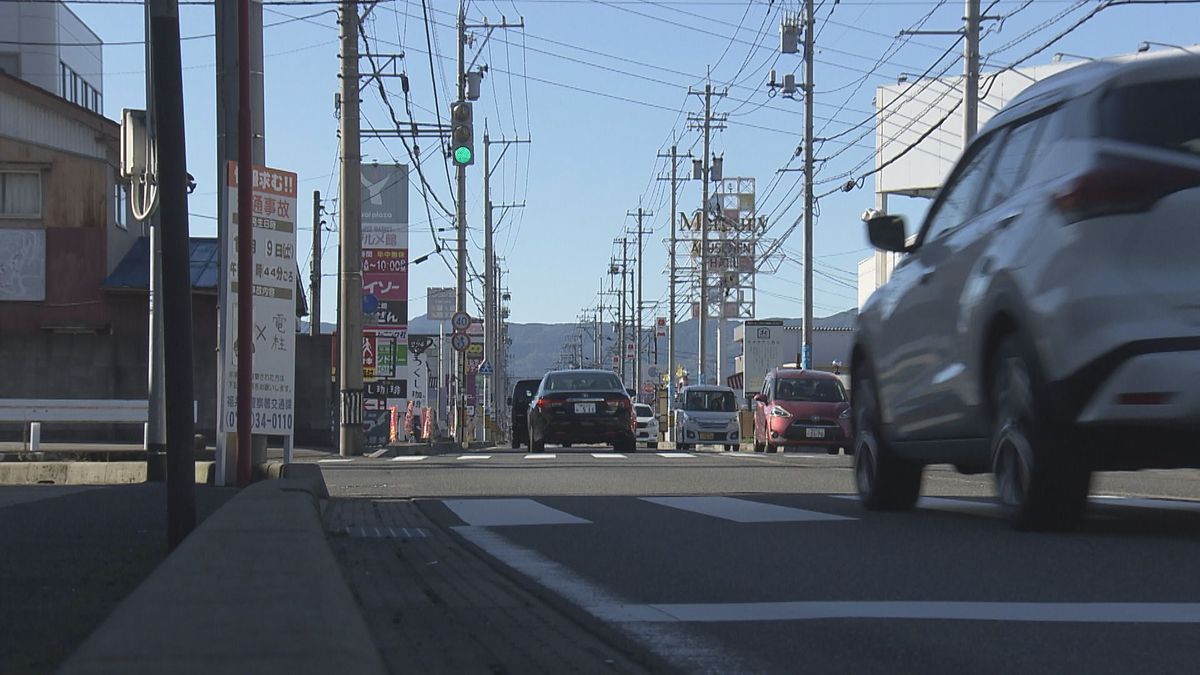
pixel 70 555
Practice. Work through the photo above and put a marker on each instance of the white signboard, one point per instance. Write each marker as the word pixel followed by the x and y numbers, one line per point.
pixel 763 348
pixel 272 402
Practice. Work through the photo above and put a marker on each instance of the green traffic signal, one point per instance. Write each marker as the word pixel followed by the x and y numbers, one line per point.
pixel 462 155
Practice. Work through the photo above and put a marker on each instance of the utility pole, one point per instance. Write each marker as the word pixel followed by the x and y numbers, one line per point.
pixel 314 317
pixel 672 273
pixel 350 325
pixel 637 362
pixel 167 78
pixel 707 125
pixel 491 331
pixel 971 74
pixel 809 39
pixel 461 205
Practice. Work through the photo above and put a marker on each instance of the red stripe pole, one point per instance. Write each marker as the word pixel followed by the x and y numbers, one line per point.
pixel 245 257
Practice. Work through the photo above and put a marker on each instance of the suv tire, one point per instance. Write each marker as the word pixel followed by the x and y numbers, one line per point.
pixel 1042 479
pixel 884 481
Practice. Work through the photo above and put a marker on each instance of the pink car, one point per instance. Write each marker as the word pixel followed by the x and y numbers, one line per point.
pixel 804 408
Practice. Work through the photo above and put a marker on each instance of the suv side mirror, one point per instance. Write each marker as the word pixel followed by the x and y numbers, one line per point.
pixel 508 401
pixel 887 233
pixel 760 398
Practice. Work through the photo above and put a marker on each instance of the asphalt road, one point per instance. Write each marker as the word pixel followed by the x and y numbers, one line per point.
pixel 712 562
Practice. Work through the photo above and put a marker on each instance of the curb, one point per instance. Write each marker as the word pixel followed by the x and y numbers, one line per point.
pixel 85 473
pixel 255 588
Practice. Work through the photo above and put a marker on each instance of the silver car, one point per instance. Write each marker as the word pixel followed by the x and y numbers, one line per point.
pixel 707 414
pixel 1045 322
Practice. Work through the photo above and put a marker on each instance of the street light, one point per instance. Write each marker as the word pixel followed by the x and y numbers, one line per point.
pixel 1145 47
pixel 1058 56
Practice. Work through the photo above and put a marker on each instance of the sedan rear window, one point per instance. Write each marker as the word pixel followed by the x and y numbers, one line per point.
pixel 583 382
pixel 1157 114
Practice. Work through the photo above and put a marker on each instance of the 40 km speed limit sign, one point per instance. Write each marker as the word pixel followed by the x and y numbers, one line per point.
pixel 460 341
pixel 461 322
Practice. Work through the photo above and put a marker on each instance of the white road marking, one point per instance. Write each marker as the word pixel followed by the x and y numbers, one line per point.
pixel 335 461
pixel 742 510
pixel 1041 612
pixel 675 455
pixel 409 458
pixel 541 456
pixel 474 457
pixel 656 631
pixel 1147 503
pixel 608 455
pixel 509 512
pixel 739 455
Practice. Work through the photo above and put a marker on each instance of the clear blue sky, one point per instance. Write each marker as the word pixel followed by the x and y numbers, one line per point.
pixel 601 87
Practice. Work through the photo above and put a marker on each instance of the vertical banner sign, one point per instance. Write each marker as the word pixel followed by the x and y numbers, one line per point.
pixel 385 295
pixel 660 327
pixel 275 285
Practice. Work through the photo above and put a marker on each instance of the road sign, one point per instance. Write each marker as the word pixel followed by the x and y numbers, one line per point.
pixel 439 305
pixel 485 368
pixel 460 342
pixel 648 387
pixel 370 304
pixel 461 322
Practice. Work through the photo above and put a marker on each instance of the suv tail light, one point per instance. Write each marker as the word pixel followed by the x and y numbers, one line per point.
pixel 1121 185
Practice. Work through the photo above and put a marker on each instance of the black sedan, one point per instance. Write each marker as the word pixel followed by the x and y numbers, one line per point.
pixel 582 406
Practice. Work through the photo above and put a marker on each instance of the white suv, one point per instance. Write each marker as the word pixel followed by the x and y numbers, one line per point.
pixel 1045 322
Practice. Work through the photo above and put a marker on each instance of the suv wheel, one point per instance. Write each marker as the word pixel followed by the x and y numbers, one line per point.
pixel 884 481
pixel 1041 479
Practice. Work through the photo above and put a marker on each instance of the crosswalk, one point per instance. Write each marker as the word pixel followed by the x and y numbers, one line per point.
pixel 509 512
pixel 566 456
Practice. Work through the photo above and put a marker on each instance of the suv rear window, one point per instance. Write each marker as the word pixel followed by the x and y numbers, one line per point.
pixel 710 401
pixel 523 393
pixel 1157 114
pixel 643 410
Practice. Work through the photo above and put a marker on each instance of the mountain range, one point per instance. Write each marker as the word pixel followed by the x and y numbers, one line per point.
pixel 536 347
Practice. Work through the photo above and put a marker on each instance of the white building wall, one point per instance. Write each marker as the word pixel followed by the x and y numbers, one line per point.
pixel 34 34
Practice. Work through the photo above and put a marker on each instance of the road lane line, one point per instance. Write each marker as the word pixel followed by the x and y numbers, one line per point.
pixel 461 457
pixel 675 455
pixel 742 510
pixel 541 456
pixel 409 458
pixel 1037 612
pixel 509 512
pixel 661 633
pixel 1147 503
pixel 608 455
pixel 335 461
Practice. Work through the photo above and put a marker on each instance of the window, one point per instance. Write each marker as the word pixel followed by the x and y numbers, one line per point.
pixel 583 381
pixel 20 194
pixel 121 205
pixel 823 391
pixel 710 401
pixel 1157 114
pixel 1012 163
pixel 958 201
pixel 10 63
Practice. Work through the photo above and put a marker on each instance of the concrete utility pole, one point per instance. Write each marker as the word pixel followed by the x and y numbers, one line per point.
pixel 672 273
pixel 707 125
pixel 167 103
pixel 971 74
pixel 637 322
pixel 624 314
pixel 809 39
pixel 314 316
pixel 491 332
pixel 350 326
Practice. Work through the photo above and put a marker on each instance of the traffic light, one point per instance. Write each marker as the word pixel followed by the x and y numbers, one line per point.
pixel 462 133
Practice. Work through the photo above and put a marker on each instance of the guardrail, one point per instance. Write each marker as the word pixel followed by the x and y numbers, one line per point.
pixel 35 412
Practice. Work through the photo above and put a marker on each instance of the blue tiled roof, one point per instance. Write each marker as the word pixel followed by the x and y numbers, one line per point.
pixel 133 272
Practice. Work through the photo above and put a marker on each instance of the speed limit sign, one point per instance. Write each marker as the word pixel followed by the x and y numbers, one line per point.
pixel 460 341
pixel 461 321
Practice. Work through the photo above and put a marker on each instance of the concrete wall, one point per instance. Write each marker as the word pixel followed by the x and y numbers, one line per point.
pixel 51 33
pixel 114 367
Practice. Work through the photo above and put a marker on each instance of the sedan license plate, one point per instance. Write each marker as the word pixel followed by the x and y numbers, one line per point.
pixel 814 433
pixel 705 436
pixel 585 408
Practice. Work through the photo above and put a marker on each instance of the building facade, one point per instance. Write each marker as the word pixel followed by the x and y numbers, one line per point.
pixel 47 45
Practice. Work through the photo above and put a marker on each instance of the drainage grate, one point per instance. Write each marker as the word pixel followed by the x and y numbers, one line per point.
pixel 387 532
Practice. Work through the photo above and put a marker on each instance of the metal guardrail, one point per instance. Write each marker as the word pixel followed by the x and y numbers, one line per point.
pixel 34 412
